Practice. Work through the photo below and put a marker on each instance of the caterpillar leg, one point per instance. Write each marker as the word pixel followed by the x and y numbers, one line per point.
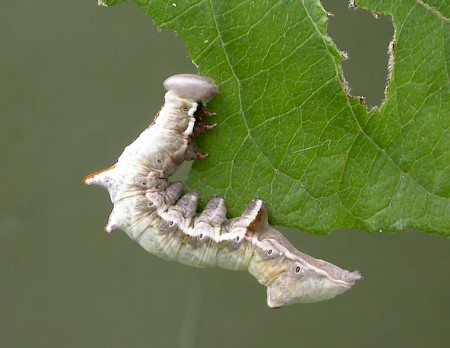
pixel 193 152
pixel 201 128
pixel 203 112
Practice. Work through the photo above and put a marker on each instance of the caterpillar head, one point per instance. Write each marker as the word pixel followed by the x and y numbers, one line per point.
pixel 195 87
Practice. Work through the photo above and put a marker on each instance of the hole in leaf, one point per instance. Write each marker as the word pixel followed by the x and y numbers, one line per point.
pixel 365 38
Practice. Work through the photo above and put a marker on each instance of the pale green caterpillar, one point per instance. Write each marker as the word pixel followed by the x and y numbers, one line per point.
pixel 164 222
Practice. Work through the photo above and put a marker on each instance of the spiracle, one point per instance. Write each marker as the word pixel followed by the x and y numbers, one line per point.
pixel 164 221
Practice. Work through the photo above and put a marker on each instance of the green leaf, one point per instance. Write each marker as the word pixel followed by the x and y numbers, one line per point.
pixel 289 133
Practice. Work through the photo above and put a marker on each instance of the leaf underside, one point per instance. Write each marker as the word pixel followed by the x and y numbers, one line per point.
pixel 290 134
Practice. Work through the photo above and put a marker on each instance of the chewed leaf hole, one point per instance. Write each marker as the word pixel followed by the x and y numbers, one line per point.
pixel 365 38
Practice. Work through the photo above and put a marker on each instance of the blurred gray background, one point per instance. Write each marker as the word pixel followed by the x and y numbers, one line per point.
pixel 77 84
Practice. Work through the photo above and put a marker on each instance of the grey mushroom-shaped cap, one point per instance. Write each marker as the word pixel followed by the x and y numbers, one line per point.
pixel 196 87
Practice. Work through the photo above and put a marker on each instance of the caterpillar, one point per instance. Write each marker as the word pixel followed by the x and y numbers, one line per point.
pixel 164 221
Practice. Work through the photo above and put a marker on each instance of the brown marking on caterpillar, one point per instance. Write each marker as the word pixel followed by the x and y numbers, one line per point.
pixel 259 222
pixel 90 176
pixel 164 222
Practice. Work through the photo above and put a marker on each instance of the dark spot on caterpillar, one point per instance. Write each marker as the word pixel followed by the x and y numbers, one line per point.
pixel 150 204
pixel 144 183
pixel 270 251
pixel 200 236
pixel 297 269
pixel 185 109
pixel 237 239
pixel 159 160
pixel 171 223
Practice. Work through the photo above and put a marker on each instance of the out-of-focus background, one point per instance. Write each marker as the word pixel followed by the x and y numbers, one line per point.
pixel 77 84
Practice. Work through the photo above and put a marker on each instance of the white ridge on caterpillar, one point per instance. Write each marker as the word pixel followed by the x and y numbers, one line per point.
pixel 156 214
